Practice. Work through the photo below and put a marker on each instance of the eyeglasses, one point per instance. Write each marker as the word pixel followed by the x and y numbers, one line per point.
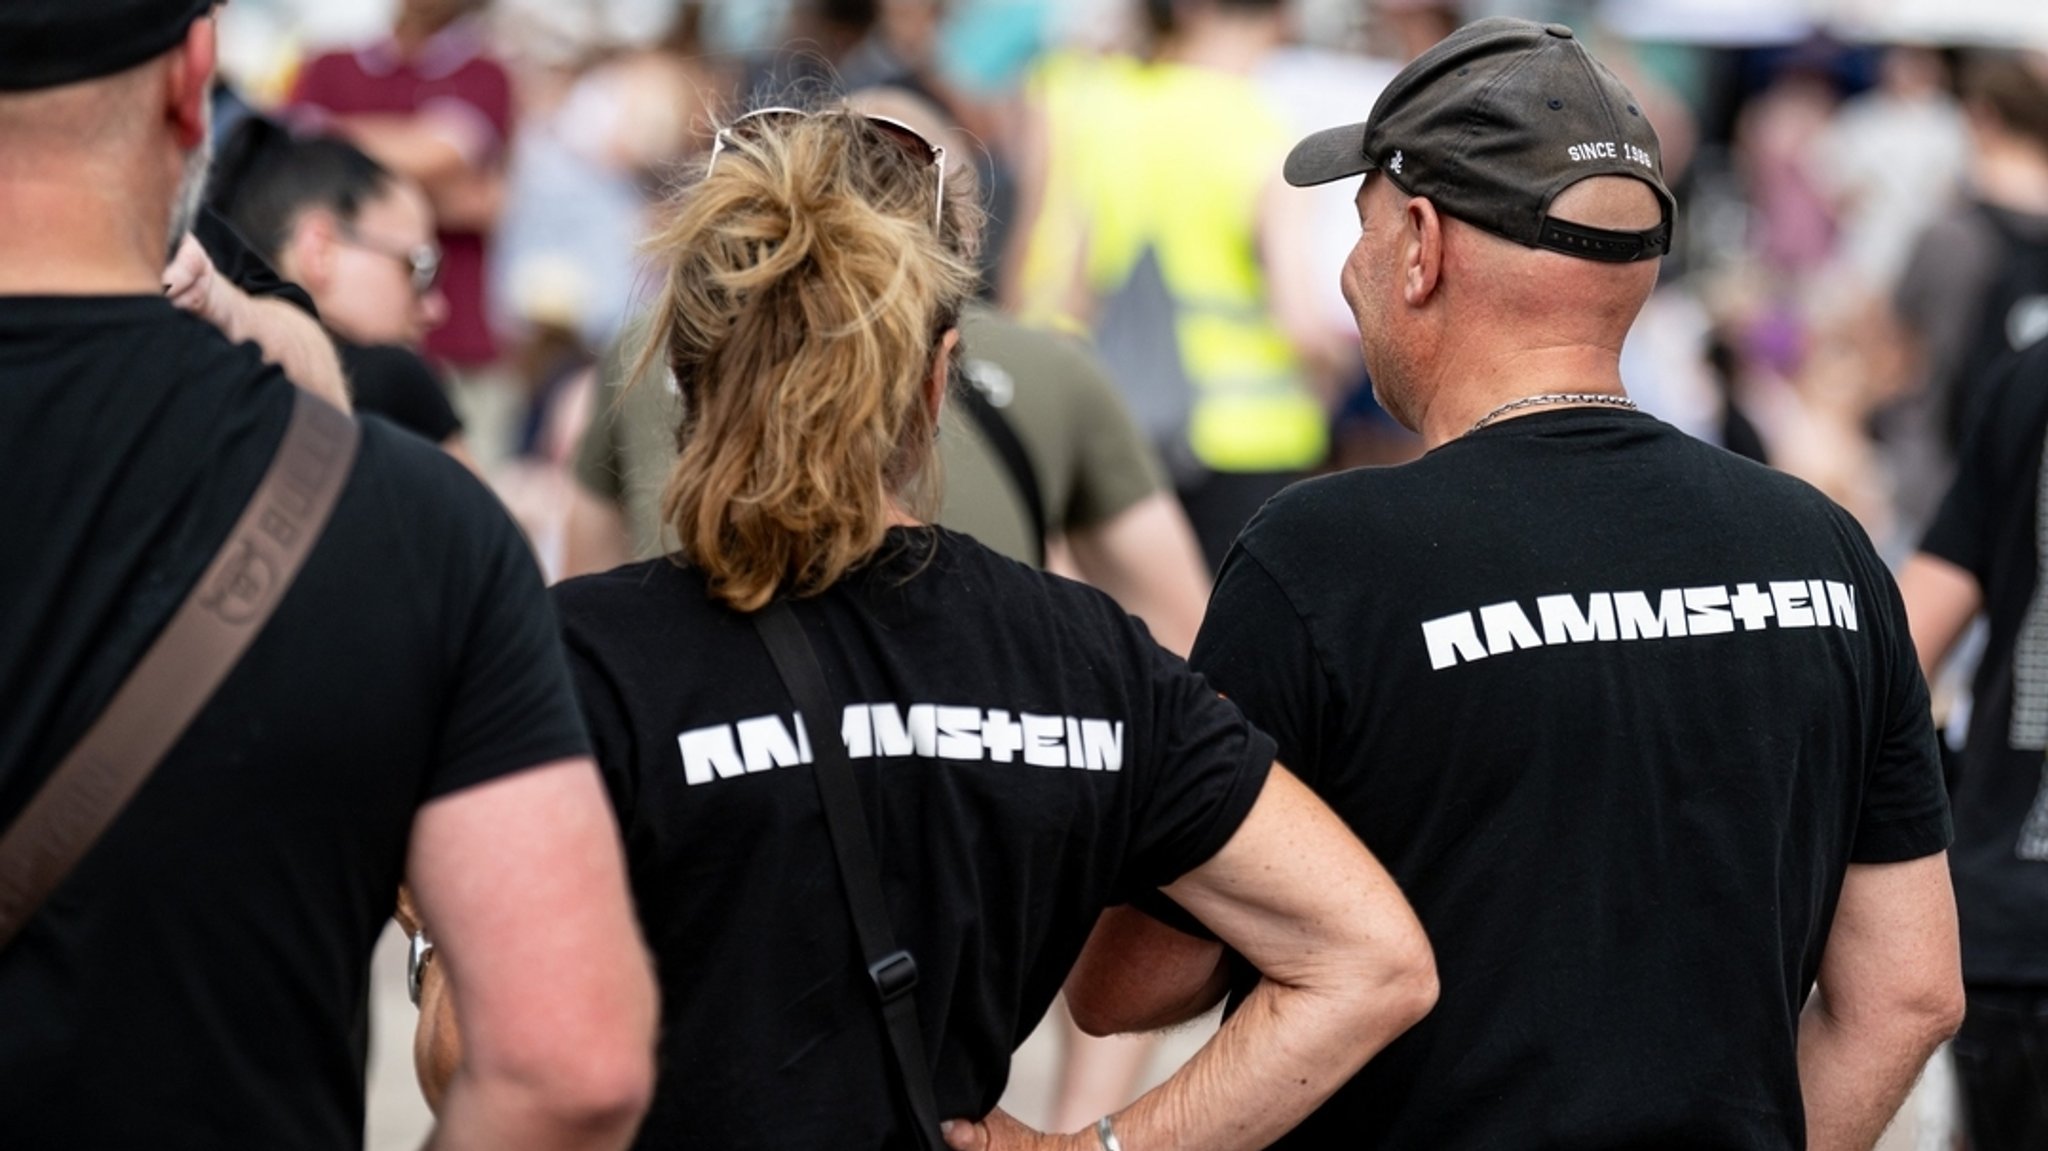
pixel 422 262
pixel 908 138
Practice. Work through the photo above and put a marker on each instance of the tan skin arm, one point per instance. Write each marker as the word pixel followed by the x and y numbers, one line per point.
pixel 1147 559
pixel 466 198
pixel 1137 974
pixel 523 883
pixel 288 337
pixel 1941 600
pixel 1890 991
pixel 1290 279
pixel 1346 969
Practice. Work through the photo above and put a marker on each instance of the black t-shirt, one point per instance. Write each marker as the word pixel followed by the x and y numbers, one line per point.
pixel 1617 709
pixel 238 262
pixel 1027 756
pixel 195 982
pixel 396 383
pixel 1989 525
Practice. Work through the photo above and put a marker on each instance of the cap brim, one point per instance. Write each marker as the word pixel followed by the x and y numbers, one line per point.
pixel 1330 154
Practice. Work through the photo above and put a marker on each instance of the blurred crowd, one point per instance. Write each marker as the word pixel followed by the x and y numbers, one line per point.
pixel 1857 219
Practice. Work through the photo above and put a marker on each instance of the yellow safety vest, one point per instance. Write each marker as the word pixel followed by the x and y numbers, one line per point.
pixel 1160 167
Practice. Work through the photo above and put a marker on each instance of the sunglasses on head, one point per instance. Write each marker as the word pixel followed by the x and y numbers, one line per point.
pixel 908 138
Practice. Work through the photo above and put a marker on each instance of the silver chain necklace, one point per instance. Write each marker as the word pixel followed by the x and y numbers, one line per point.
pixel 1549 398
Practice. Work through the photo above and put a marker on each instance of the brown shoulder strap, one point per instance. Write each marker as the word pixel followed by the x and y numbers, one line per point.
pixel 182 669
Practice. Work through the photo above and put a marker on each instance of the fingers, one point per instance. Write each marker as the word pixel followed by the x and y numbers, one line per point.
pixel 185 279
pixel 964 1135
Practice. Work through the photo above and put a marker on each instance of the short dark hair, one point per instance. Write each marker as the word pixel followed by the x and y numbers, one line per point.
pixel 265 177
pixel 2003 83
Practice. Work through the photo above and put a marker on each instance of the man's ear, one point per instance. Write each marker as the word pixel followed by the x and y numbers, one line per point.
pixel 1422 251
pixel 189 79
pixel 935 388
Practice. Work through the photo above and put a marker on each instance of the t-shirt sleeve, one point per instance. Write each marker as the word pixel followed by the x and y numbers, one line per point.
pixel 1985 473
pixel 604 712
pixel 509 702
pixel 239 263
pixel 1256 649
pixel 397 384
pixel 1204 771
pixel 1905 813
pixel 1114 466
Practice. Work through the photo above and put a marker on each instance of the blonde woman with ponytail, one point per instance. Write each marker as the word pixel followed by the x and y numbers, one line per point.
pixel 1025 757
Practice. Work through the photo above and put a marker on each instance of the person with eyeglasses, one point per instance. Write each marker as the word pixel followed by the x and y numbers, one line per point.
pixel 1019 752
pixel 360 240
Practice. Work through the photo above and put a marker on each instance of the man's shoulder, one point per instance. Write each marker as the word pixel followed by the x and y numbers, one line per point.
pixel 419 500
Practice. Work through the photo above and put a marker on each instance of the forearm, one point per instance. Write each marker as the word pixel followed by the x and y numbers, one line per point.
pixel 1147 558
pixel 1855 1080
pixel 1138 974
pixel 1284 1052
pixel 293 341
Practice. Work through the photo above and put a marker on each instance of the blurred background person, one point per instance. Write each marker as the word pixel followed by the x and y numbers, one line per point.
pixel 1154 222
pixel 1975 288
pixel 361 240
pixel 1981 557
pixel 430 103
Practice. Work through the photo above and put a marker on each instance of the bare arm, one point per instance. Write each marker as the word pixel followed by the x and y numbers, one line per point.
pixel 1147 559
pixel 1290 288
pixel 1346 969
pixel 522 883
pixel 1138 974
pixel 436 152
pixel 1890 991
pixel 288 337
pixel 1941 600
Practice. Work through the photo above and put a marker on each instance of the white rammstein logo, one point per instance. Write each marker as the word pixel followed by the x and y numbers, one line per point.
pixel 1622 616
pixel 926 730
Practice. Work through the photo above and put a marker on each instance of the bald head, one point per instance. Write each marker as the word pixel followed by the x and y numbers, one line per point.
pixel 1448 311
pixel 1549 295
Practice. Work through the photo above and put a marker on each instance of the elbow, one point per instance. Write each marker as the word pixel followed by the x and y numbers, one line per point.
pixel 1396 983
pixel 1408 986
pixel 1943 1015
pixel 599 1095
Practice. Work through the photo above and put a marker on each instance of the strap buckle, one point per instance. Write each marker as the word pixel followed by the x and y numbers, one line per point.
pixel 894 975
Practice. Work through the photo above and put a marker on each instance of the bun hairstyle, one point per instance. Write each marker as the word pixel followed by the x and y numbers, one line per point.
pixel 805 297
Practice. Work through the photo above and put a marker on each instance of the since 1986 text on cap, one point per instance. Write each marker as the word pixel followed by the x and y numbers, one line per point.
pixel 1491 125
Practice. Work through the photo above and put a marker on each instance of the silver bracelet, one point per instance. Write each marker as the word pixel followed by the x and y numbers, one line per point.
pixel 1106 1131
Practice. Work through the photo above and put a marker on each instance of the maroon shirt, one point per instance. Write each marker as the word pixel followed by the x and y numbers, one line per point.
pixel 450 78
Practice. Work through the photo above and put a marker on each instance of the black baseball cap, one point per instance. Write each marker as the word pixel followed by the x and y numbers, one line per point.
pixel 45 43
pixel 1490 125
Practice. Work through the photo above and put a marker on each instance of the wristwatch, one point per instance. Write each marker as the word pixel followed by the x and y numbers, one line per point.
pixel 416 958
pixel 1106 1132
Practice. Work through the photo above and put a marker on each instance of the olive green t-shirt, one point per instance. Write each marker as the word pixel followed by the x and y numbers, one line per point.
pixel 1090 461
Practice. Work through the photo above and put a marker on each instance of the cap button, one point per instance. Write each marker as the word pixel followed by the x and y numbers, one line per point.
pixel 1559 31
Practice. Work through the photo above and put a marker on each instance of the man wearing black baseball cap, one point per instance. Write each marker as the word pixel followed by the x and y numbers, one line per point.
pixel 196 979
pixel 1637 724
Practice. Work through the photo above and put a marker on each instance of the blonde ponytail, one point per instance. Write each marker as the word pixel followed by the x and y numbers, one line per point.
pixel 802 310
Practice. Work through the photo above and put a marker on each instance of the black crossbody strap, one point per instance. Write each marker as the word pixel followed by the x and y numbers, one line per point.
pixel 891 970
pixel 206 637
pixel 1016 458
